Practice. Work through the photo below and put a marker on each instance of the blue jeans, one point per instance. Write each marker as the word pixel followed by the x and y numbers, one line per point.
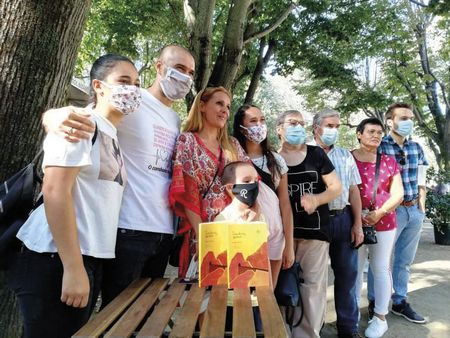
pixel 36 278
pixel 138 254
pixel 344 262
pixel 409 226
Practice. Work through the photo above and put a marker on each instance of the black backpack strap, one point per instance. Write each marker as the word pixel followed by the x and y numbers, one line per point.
pixel 95 134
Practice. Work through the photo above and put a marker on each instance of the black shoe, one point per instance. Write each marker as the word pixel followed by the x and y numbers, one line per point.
pixel 350 335
pixel 371 309
pixel 406 311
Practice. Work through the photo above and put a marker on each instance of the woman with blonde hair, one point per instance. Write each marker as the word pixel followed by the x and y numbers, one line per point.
pixel 202 150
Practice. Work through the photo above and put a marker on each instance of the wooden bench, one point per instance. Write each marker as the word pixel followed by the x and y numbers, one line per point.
pixel 152 309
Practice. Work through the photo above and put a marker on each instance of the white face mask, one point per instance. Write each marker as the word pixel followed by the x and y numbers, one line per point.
pixel 175 85
pixel 125 98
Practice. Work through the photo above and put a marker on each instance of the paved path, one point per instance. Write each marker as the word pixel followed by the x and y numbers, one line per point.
pixel 429 294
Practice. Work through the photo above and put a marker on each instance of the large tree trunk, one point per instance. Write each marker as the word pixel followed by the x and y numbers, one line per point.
pixel 38 49
pixel 199 16
pixel 229 57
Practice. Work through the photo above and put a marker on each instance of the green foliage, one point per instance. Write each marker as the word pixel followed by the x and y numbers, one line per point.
pixel 438 199
pixel 137 29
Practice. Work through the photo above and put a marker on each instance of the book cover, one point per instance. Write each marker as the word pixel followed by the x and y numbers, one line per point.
pixel 213 253
pixel 248 262
pixel 233 254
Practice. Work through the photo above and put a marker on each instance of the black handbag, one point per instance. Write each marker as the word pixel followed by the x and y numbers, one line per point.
pixel 287 292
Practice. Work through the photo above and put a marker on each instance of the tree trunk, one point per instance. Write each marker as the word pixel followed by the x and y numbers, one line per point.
pixel 38 49
pixel 199 19
pixel 229 56
pixel 263 60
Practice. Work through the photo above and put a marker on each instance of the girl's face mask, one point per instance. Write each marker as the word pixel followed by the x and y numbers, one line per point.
pixel 124 98
pixel 256 134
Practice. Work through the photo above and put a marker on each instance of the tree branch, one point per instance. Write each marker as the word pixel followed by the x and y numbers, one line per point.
pixel 418 3
pixel 272 27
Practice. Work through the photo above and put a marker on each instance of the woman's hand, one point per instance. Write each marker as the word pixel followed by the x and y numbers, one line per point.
pixel 309 203
pixel 288 257
pixel 373 217
pixel 75 287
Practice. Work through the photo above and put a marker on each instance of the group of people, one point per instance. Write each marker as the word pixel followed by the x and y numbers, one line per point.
pixel 108 212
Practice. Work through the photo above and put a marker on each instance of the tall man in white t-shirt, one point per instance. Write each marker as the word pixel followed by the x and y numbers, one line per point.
pixel 147 139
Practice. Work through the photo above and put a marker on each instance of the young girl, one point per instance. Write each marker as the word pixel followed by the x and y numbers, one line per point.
pixel 250 130
pixel 57 275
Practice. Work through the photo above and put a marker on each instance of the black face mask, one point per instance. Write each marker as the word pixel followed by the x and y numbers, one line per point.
pixel 246 192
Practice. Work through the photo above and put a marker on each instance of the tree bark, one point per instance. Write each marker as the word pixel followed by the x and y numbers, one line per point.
pixel 199 15
pixel 263 60
pixel 38 49
pixel 230 54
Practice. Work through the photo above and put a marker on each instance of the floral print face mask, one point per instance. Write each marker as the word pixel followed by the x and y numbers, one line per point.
pixel 125 98
pixel 256 134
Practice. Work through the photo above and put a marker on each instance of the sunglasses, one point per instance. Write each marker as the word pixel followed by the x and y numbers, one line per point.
pixel 402 156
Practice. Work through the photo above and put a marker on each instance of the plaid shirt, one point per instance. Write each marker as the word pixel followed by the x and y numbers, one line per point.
pixel 348 173
pixel 413 157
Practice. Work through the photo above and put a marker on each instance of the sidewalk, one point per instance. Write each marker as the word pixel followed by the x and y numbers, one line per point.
pixel 429 294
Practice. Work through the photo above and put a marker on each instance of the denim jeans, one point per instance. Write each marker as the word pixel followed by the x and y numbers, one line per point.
pixel 409 226
pixel 36 278
pixel 138 254
pixel 344 262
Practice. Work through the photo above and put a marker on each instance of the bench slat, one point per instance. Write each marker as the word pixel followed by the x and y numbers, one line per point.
pixel 111 312
pixel 272 321
pixel 155 325
pixel 214 325
pixel 187 318
pixel 134 315
pixel 243 323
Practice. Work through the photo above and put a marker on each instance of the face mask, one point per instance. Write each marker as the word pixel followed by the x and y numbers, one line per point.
pixel 246 192
pixel 295 135
pixel 329 136
pixel 256 134
pixel 405 128
pixel 175 85
pixel 125 98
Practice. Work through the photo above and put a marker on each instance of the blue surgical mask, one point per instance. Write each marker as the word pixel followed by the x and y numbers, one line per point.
pixel 329 136
pixel 405 128
pixel 295 135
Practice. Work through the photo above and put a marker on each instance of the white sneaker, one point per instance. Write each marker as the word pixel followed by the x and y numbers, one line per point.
pixel 377 328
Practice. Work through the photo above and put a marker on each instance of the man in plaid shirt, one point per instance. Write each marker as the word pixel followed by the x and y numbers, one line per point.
pixel 411 212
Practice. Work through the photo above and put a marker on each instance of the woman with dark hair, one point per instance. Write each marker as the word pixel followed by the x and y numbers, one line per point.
pixel 250 129
pixel 201 152
pixel 379 211
pixel 58 272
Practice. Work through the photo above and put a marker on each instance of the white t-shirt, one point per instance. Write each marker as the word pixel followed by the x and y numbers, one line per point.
pixel 97 192
pixel 147 138
pixel 261 162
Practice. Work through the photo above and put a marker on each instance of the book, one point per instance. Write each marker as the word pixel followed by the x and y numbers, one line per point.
pixel 233 254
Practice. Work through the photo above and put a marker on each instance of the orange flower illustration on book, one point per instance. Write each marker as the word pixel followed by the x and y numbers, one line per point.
pixel 213 270
pixel 253 271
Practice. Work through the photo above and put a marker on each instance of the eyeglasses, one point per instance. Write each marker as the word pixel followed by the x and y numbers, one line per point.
pixel 402 156
pixel 294 123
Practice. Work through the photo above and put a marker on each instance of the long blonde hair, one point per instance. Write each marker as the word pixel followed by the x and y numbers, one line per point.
pixel 194 122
